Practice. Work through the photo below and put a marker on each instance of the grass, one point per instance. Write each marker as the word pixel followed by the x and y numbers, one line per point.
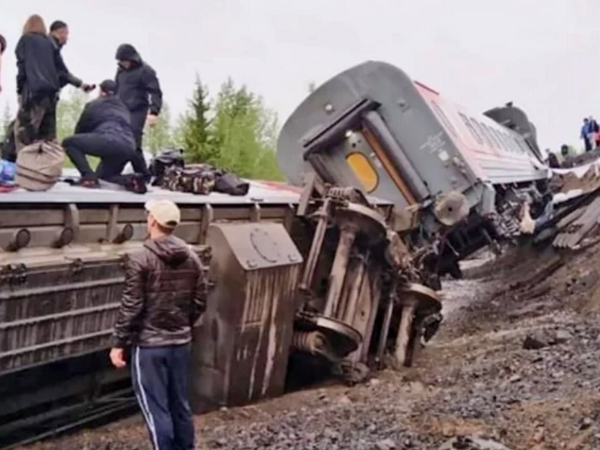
pixel 92 160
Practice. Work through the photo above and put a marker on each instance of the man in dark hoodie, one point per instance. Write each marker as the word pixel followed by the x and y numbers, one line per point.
pixel 138 87
pixel 164 295
pixel 104 130
pixel 59 34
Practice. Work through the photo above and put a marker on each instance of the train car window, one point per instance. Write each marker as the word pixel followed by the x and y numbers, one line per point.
pixel 443 118
pixel 497 143
pixel 487 138
pixel 472 129
pixel 363 170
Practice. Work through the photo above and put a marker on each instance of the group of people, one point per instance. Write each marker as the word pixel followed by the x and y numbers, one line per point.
pixel 111 127
pixel 590 133
pixel 166 285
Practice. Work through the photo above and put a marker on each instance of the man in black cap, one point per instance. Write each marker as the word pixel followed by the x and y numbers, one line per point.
pixel 2 48
pixel 104 130
pixel 59 35
pixel 138 87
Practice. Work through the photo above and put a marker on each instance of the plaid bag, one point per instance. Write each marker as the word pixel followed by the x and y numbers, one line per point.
pixel 196 179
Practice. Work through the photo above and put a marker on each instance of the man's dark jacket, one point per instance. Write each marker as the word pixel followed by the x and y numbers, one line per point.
pixel 69 78
pixel 108 117
pixel 164 295
pixel 41 70
pixel 138 85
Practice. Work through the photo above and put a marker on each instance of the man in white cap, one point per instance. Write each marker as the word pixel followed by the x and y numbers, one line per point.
pixel 164 295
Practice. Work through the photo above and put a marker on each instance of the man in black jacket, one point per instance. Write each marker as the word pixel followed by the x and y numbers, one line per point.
pixel 40 71
pixel 138 87
pixel 164 295
pixel 59 34
pixel 104 130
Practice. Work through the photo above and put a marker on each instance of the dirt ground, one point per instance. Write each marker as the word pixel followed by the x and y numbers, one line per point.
pixel 517 360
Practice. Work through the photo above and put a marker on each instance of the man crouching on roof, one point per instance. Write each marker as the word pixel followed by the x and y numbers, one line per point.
pixel 104 130
pixel 164 296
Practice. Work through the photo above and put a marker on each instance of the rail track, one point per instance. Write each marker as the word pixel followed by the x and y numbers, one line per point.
pixel 68 419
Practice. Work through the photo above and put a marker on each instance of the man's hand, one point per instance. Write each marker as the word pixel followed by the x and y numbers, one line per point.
pixel 87 87
pixel 151 120
pixel 116 357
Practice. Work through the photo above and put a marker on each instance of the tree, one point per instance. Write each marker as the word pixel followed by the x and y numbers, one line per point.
pixel 160 136
pixel 245 133
pixel 7 118
pixel 193 132
pixel 68 111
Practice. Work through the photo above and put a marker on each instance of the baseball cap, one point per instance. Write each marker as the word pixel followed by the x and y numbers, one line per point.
pixel 165 212
pixel 108 86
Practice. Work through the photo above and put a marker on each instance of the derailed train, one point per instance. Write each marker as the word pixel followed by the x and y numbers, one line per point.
pixel 324 276
pixel 458 179
pixel 317 276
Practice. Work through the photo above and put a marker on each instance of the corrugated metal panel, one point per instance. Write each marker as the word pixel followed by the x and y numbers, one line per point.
pixel 242 347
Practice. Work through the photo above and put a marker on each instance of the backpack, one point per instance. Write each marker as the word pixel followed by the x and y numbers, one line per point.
pixel 230 183
pixel 195 179
pixel 39 165
pixel 163 161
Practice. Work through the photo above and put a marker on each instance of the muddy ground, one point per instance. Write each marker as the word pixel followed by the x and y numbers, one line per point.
pixel 517 360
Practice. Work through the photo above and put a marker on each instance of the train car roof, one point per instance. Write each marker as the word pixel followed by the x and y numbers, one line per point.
pixel 263 192
pixel 63 192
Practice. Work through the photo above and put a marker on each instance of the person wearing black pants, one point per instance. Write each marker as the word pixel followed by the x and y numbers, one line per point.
pixel 164 295
pixel 40 74
pixel 139 88
pixel 104 130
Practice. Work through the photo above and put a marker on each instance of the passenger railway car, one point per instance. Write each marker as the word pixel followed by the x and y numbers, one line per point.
pixel 374 128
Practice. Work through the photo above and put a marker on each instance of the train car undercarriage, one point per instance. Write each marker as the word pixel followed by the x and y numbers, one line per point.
pixel 316 283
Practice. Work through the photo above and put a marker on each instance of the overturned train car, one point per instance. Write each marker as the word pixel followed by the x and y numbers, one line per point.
pixel 456 178
pixel 302 280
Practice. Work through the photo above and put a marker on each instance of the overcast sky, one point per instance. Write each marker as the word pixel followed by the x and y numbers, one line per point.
pixel 543 55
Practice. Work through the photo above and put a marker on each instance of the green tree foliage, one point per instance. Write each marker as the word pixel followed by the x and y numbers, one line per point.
pixel 68 110
pixel 7 117
pixel 238 133
pixel 235 132
pixel 160 136
pixel 194 133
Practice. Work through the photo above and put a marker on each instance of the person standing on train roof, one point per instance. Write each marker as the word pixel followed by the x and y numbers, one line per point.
pixel 40 71
pixel 139 88
pixel 164 296
pixel 585 134
pixel 59 35
pixel 2 49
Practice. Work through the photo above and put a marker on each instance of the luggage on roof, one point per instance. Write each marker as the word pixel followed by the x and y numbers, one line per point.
pixel 39 165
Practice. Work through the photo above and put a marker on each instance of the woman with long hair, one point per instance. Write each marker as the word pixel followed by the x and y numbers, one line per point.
pixel 40 71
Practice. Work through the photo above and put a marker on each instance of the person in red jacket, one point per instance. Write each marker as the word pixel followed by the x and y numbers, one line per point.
pixel 2 48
